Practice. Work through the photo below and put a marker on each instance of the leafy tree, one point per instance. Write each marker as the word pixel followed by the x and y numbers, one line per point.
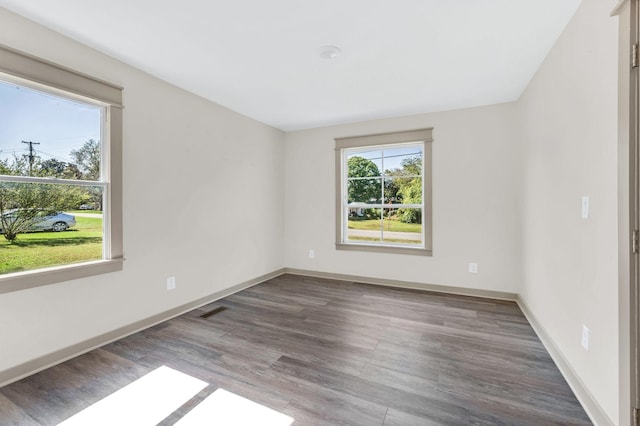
pixel 22 203
pixel 406 188
pixel 363 190
pixel 60 169
pixel 87 159
pixel 5 168
pixel 51 167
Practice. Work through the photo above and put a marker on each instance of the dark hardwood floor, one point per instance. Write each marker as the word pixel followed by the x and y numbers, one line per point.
pixel 329 352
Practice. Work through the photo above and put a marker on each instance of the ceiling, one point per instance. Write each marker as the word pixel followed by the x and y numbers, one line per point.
pixel 261 58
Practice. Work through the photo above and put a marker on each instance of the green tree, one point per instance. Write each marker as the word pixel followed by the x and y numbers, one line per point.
pixel 51 167
pixel 22 203
pixel 57 168
pixel 363 190
pixel 87 159
pixel 5 168
pixel 406 188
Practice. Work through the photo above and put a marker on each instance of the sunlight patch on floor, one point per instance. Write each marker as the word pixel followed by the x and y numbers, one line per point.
pixel 147 401
pixel 228 409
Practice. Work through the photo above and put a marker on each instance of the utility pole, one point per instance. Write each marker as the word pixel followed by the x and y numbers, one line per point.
pixel 31 154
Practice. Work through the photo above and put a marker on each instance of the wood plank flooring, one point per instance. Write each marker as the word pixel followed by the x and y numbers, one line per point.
pixel 329 353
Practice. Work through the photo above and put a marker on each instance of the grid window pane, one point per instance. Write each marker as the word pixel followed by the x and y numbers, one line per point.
pixel 41 225
pixel 403 160
pixel 402 226
pixel 364 164
pixel 364 225
pixel 364 190
pixel 402 190
pixel 48 135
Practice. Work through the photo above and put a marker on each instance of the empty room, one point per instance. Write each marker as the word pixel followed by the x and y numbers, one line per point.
pixel 420 212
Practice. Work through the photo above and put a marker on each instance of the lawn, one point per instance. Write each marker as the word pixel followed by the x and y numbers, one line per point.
pixel 386 240
pixel 35 250
pixel 389 225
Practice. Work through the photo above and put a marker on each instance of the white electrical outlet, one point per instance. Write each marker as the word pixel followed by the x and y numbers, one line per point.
pixel 473 268
pixel 171 283
pixel 585 207
pixel 585 337
pixel 312 254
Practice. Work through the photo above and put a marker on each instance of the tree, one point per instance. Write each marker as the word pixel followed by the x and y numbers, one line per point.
pixel 406 188
pixel 363 190
pixel 51 167
pixel 5 169
pixel 22 203
pixel 87 159
pixel 60 169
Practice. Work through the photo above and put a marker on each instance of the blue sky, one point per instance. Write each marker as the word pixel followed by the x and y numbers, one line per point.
pixel 393 157
pixel 58 124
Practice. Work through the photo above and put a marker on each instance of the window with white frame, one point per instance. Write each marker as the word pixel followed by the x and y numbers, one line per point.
pixel 383 192
pixel 60 173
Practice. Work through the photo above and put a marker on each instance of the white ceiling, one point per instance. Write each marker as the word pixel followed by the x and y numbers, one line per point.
pixel 260 58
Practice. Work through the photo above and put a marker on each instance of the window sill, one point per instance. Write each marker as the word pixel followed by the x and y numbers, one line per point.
pixel 384 249
pixel 40 277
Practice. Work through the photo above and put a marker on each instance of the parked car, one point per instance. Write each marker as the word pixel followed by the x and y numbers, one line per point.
pixel 56 222
pixel 86 207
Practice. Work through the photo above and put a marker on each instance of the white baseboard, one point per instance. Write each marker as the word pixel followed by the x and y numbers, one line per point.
pixel 589 403
pixel 488 294
pixel 49 360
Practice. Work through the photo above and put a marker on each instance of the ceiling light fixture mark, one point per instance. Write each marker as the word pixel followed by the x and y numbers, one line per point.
pixel 330 52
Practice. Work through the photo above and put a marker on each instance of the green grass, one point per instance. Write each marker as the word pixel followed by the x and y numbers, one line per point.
pixel 36 250
pixel 389 225
pixel 386 240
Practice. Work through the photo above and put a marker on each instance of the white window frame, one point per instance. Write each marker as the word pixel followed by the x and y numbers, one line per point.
pixel 29 71
pixel 348 145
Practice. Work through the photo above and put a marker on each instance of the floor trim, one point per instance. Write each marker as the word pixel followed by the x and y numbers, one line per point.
pixel 462 291
pixel 589 403
pixel 49 360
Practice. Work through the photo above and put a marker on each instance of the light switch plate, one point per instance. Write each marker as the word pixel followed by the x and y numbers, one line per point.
pixel 585 337
pixel 585 207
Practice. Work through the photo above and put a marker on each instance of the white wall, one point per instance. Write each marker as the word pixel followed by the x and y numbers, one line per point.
pixel 203 201
pixel 569 129
pixel 475 201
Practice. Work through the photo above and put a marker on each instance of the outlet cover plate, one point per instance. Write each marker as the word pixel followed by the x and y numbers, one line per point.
pixel 171 283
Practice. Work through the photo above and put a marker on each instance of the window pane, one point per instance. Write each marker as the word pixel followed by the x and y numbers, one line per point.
pixel 364 225
pixel 364 164
pixel 48 136
pixel 403 161
pixel 42 225
pixel 364 191
pixel 400 190
pixel 402 226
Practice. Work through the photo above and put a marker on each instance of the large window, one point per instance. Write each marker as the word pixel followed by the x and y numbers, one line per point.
pixel 60 174
pixel 384 192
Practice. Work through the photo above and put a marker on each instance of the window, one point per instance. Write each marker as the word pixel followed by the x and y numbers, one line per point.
pixel 60 173
pixel 383 192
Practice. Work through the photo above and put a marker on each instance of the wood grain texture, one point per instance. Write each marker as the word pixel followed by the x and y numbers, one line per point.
pixel 329 352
